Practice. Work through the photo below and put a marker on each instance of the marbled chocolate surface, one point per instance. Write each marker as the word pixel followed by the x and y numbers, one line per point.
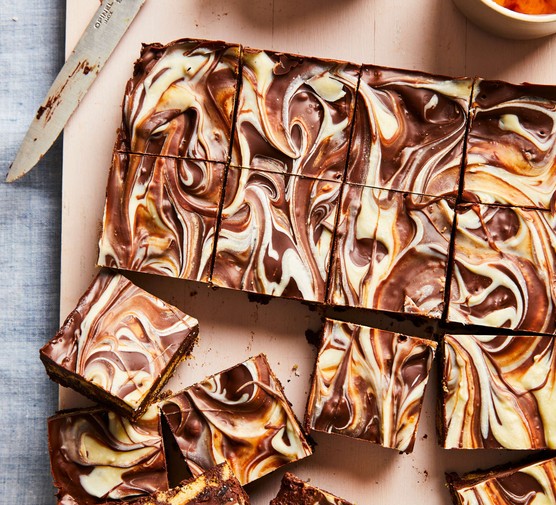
pixel 294 114
pixel 511 148
pixel 276 234
pixel 120 338
pixel 409 131
pixel 529 484
pixel 240 416
pixel 160 215
pixel 295 491
pixel 264 219
pixel 504 268
pixel 499 392
pixel 369 384
pixel 181 99
pixel 391 251
pixel 97 456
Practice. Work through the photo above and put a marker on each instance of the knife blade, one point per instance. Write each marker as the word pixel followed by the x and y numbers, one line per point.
pixel 95 46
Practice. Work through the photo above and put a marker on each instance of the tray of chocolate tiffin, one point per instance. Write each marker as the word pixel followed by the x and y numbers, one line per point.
pixel 317 282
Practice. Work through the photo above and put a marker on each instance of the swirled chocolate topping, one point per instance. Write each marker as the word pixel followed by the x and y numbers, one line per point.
pixel 369 384
pixel 391 251
pixel 294 114
pixel 504 268
pixel 276 234
pixel 217 486
pixel 295 491
pixel 298 123
pixel 97 456
pixel 160 215
pixel 498 392
pixel 409 131
pixel 120 342
pixel 511 147
pixel 528 484
pixel 240 416
pixel 180 100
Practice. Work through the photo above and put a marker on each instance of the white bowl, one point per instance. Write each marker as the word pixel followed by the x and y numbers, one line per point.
pixel 505 22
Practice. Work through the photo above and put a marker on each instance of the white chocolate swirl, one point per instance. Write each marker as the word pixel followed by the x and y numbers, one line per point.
pixel 294 114
pixel 530 484
pixel 180 100
pixel 499 392
pixel 369 384
pixel 240 416
pixel 97 455
pixel 160 216
pixel 504 268
pixel 276 234
pixel 409 131
pixel 121 339
pixel 391 251
pixel 511 154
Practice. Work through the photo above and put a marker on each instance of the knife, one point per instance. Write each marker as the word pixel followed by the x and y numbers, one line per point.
pixel 97 43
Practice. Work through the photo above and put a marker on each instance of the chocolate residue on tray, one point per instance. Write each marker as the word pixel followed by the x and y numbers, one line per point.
pixel 258 298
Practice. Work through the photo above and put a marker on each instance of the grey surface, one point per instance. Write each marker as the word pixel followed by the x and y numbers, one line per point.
pixel 31 53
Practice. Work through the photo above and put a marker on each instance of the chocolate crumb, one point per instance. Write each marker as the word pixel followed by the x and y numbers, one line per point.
pixel 313 337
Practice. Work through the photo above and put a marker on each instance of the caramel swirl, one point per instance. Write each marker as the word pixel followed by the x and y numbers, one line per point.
pixel 504 268
pixel 294 114
pixel 409 131
pixel 160 215
pixel 511 153
pixel 263 220
pixel 240 416
pixel 120 339
pixel 498 392
pixel 529 484
pixel 97 455
pixel 276 234
pixel 391 251
pixel 369 384
pixel 180 100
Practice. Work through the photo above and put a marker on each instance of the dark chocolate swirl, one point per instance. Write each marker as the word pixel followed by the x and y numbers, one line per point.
pixel 294 114
pixel 391 251
pixel 98 456
pixel 369 384
pixel 120 338
pixel 504 268
pixel 160 215
pixel 409 131
pixel 240 416
pixel 499 392
pixel 511 153
pixel 276 234
pixel 180 100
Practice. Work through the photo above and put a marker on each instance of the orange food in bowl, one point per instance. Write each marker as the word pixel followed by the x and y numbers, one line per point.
pixel 529 6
